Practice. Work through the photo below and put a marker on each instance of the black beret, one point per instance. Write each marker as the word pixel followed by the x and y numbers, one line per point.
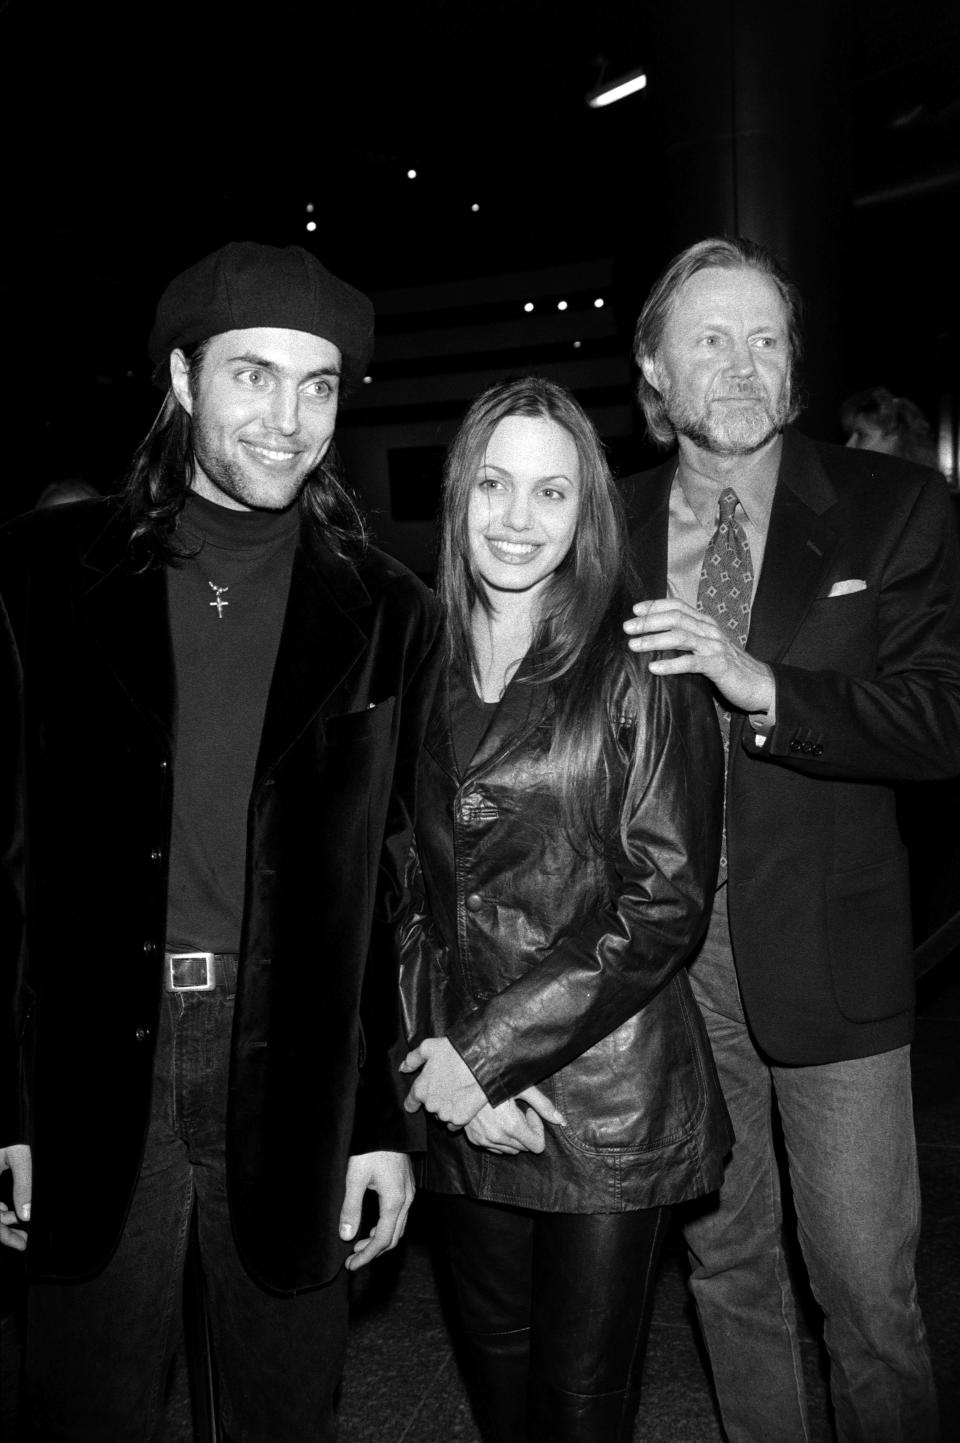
pixel 245 286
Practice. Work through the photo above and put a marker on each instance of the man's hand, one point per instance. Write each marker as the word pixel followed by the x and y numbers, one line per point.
pixel 446 1086
pixel 510 1129
pixel 19 1162
pixel 673 625
pixel 390 1176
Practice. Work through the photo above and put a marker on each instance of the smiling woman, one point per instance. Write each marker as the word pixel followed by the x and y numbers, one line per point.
pixel 522 513
pixel 566 839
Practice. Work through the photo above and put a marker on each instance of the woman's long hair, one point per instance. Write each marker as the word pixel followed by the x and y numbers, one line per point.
pixel 158 483
pixel 579 652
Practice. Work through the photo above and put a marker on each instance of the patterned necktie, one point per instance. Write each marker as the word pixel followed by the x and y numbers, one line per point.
pixel 726 576
pixel 725 593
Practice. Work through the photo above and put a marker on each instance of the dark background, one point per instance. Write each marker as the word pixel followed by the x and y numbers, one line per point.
pixel 140 136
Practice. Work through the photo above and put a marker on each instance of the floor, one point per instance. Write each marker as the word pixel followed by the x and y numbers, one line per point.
pixel 402 1381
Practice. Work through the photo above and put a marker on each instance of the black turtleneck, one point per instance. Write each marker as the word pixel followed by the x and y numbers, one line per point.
pixel 223 657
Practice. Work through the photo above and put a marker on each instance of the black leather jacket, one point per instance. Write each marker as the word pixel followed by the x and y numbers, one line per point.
pixel 546 964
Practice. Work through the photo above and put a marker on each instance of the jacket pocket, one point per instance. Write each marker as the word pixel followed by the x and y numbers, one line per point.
pixel 356 726
pixel 643 1088
pixel 869 940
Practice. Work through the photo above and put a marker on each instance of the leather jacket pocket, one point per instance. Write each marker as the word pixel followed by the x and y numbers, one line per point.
pixel 642 1088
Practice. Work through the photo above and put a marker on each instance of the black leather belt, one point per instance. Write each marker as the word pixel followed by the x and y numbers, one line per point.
pixel 200 971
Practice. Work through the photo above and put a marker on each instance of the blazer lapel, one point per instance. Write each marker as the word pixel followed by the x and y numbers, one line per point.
pixel 800 546
pixel 123 600
pixel 319 643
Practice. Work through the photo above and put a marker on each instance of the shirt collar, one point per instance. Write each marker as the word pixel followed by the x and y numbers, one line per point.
pixel 754 488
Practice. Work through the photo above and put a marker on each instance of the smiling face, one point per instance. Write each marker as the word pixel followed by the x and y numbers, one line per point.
pixel 723 366
pixel 524 500
pixel 263 410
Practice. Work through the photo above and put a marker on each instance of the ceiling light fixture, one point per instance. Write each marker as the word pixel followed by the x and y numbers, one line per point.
pixel 614 90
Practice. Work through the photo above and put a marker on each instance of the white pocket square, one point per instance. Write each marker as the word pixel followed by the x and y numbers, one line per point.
pixel 844 588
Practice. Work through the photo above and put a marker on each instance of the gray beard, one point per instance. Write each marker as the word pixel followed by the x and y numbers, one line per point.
pixel 740 434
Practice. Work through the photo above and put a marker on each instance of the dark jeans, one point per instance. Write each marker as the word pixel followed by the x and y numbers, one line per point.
pixel 556 1308
pixel 98 1352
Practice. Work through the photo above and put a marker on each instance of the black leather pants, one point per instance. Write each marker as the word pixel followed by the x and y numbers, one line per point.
pixel 556 1310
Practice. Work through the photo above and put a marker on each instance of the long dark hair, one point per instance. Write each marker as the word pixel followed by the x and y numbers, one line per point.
pixel 579 652
pixel 158 483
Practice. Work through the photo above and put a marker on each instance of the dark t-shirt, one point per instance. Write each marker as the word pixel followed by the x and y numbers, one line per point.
pixel 226 605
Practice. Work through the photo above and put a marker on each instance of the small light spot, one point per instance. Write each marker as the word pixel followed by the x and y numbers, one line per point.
pixel 598 303
pixel 561 305
pixel 528 307
pixel 577 345
pixel 411 175
pixel 474 207
pixel 311 225
pixel 309 207
pixel 367 380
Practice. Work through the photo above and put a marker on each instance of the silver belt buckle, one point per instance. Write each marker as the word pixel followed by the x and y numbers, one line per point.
pixel 179 963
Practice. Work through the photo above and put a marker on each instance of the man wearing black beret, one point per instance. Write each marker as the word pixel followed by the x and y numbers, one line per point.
pixel 213 696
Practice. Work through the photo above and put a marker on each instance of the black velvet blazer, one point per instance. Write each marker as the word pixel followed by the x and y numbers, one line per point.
pixel 85 756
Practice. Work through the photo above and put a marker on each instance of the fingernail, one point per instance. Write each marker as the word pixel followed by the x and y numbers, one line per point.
pixel 25 1212
pixel 346 1231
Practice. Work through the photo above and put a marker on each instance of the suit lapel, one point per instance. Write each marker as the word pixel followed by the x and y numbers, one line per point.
pixel 124 603
pixel 319 643
pixel 800 546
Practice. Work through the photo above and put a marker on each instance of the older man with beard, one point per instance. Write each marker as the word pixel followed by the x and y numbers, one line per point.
pixel 816 588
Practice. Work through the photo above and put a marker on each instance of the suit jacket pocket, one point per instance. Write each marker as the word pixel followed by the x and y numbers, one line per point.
pixel 870 942
pixel 355 726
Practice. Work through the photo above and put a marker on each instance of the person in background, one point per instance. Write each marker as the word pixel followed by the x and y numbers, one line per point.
pixel 815 588
pixel 213 699
pixel 873 420
pixel 566 844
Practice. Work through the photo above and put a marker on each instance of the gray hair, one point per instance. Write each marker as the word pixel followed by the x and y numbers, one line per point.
pixel 724 253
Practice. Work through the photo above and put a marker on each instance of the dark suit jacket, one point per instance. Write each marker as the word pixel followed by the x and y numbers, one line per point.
pixel 85 741
pixel 868 693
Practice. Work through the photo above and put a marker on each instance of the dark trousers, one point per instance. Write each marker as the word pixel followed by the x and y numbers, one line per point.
pixel 556 1311
pixel 99 1352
